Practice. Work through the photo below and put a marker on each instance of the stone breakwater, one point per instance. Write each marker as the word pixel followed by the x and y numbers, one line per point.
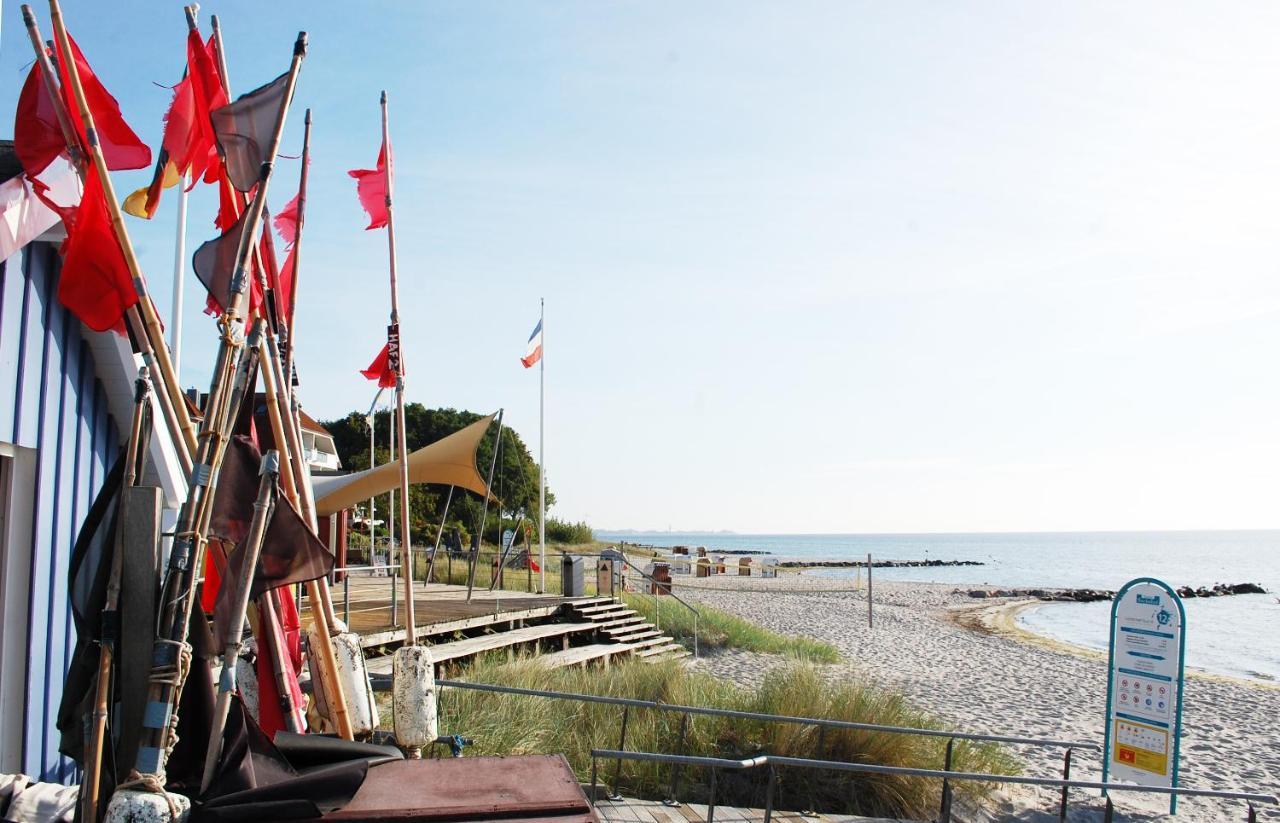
pixel 1092 595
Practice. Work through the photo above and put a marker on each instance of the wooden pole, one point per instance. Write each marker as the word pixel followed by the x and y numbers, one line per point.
pixel 252 547
pixel 172 406
pixel 869 619
pixel 151 321
pixel 322 611
pixel 171 656
pixel 291 322
pixel 327 670
pixel 91 786
pixel 405 541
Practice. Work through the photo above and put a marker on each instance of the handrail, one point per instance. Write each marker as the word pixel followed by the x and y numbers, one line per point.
pixel 769 718
pixel 773 761
pixel 664 584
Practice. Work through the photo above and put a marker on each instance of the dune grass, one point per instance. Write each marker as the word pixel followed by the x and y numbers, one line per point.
pixel 721 630
pixel 510 724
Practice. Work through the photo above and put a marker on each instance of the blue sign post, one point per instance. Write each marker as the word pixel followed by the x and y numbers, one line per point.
pixel 1144 686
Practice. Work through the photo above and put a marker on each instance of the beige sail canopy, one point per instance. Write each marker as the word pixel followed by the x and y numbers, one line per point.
pixel 450 461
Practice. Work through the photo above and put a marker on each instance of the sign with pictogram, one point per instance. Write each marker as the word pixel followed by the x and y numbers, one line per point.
pixel 1144 692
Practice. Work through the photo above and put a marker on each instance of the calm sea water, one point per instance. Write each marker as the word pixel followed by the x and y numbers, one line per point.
pixel 1237 635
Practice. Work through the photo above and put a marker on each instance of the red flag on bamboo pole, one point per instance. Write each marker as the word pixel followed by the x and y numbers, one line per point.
pixel 381 370
pixel 120 146
pixel 371 188
pixel 188 143
pixel 95 283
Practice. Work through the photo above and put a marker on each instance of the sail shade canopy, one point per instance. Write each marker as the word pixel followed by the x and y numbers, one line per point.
pixel 450 461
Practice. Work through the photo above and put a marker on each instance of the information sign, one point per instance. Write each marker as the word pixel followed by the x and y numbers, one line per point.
pixel 1144 693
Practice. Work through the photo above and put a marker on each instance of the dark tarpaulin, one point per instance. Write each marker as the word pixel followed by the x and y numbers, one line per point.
pixel 244 130
pixel 90 568
pixel 258 780
pixel 291 553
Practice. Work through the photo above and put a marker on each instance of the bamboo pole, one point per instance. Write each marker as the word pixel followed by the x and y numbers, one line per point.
pixel 174 412
pixel 317 591
pixel 172 653
pixel 291 321
pixel 327 671
pixel 151 321
pixel 91 785
pixel 262 507
pixel 405 541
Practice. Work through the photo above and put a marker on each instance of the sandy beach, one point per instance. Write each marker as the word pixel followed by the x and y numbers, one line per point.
pixel 968 662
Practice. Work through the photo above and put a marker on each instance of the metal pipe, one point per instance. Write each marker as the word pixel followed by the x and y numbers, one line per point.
pixel 1066 775
pixel 774 718
pixel 944 814
pixel 622 746
pixel 981 777
pixel 676 763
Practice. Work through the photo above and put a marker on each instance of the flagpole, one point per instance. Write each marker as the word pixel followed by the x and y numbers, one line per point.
pixel 397 348
pixel 542 454
pixel 179 270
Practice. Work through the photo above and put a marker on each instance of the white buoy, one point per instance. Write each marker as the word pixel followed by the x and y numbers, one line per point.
pixel 413 698
pixel 247 677
pixel 132 806
pixel 356 688
pixel 357 692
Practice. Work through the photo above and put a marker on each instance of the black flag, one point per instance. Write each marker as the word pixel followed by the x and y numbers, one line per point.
pixel 244 129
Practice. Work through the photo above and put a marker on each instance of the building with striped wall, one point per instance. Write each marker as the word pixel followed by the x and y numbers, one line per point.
pixel 66 396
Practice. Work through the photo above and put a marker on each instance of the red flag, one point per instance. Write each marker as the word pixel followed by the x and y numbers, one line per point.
pixel 188 143
pixel 120 146
pixel 380 369
pixel 206 86
pixel 37 137
pixel 95 283
pixel 371 188
pixel 286 221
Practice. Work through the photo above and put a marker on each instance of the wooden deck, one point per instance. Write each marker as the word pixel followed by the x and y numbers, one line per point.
pixel 438 608
pixel 628 810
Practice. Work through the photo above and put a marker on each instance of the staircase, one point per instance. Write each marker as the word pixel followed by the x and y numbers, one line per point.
pixel 621 630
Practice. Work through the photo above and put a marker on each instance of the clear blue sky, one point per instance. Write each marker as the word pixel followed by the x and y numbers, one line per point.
pixel 813 266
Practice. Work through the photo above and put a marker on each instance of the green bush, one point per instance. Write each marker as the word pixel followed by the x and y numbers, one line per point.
pixel 560 531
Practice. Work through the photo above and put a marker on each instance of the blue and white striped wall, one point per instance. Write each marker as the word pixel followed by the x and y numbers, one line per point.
pixel 59 439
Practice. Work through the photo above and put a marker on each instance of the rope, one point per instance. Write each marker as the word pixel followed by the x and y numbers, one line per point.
pixel 173 677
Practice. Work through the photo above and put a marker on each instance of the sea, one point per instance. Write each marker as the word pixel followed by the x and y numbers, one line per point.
pixel 1238 636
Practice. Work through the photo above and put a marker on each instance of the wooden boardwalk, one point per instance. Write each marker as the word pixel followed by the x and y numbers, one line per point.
pixel 366 603
pixel 629 810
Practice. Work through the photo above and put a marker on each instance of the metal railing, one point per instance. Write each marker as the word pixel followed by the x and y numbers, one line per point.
pixel 657 606
pixel 678 761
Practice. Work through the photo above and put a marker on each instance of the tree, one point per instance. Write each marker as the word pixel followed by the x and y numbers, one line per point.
pixel 515 480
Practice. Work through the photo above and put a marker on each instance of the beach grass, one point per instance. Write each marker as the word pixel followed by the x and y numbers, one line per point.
pixel 512 724
pixel 720 630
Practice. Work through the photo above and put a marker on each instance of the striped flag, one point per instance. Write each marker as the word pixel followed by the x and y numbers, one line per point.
pixel 533 353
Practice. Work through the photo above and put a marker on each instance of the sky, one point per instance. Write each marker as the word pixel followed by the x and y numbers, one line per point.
pixel 808 267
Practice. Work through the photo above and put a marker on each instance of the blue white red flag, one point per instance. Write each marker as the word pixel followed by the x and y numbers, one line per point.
pixel 533 353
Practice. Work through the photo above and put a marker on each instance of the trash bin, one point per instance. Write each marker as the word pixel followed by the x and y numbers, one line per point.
pixel 571 577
